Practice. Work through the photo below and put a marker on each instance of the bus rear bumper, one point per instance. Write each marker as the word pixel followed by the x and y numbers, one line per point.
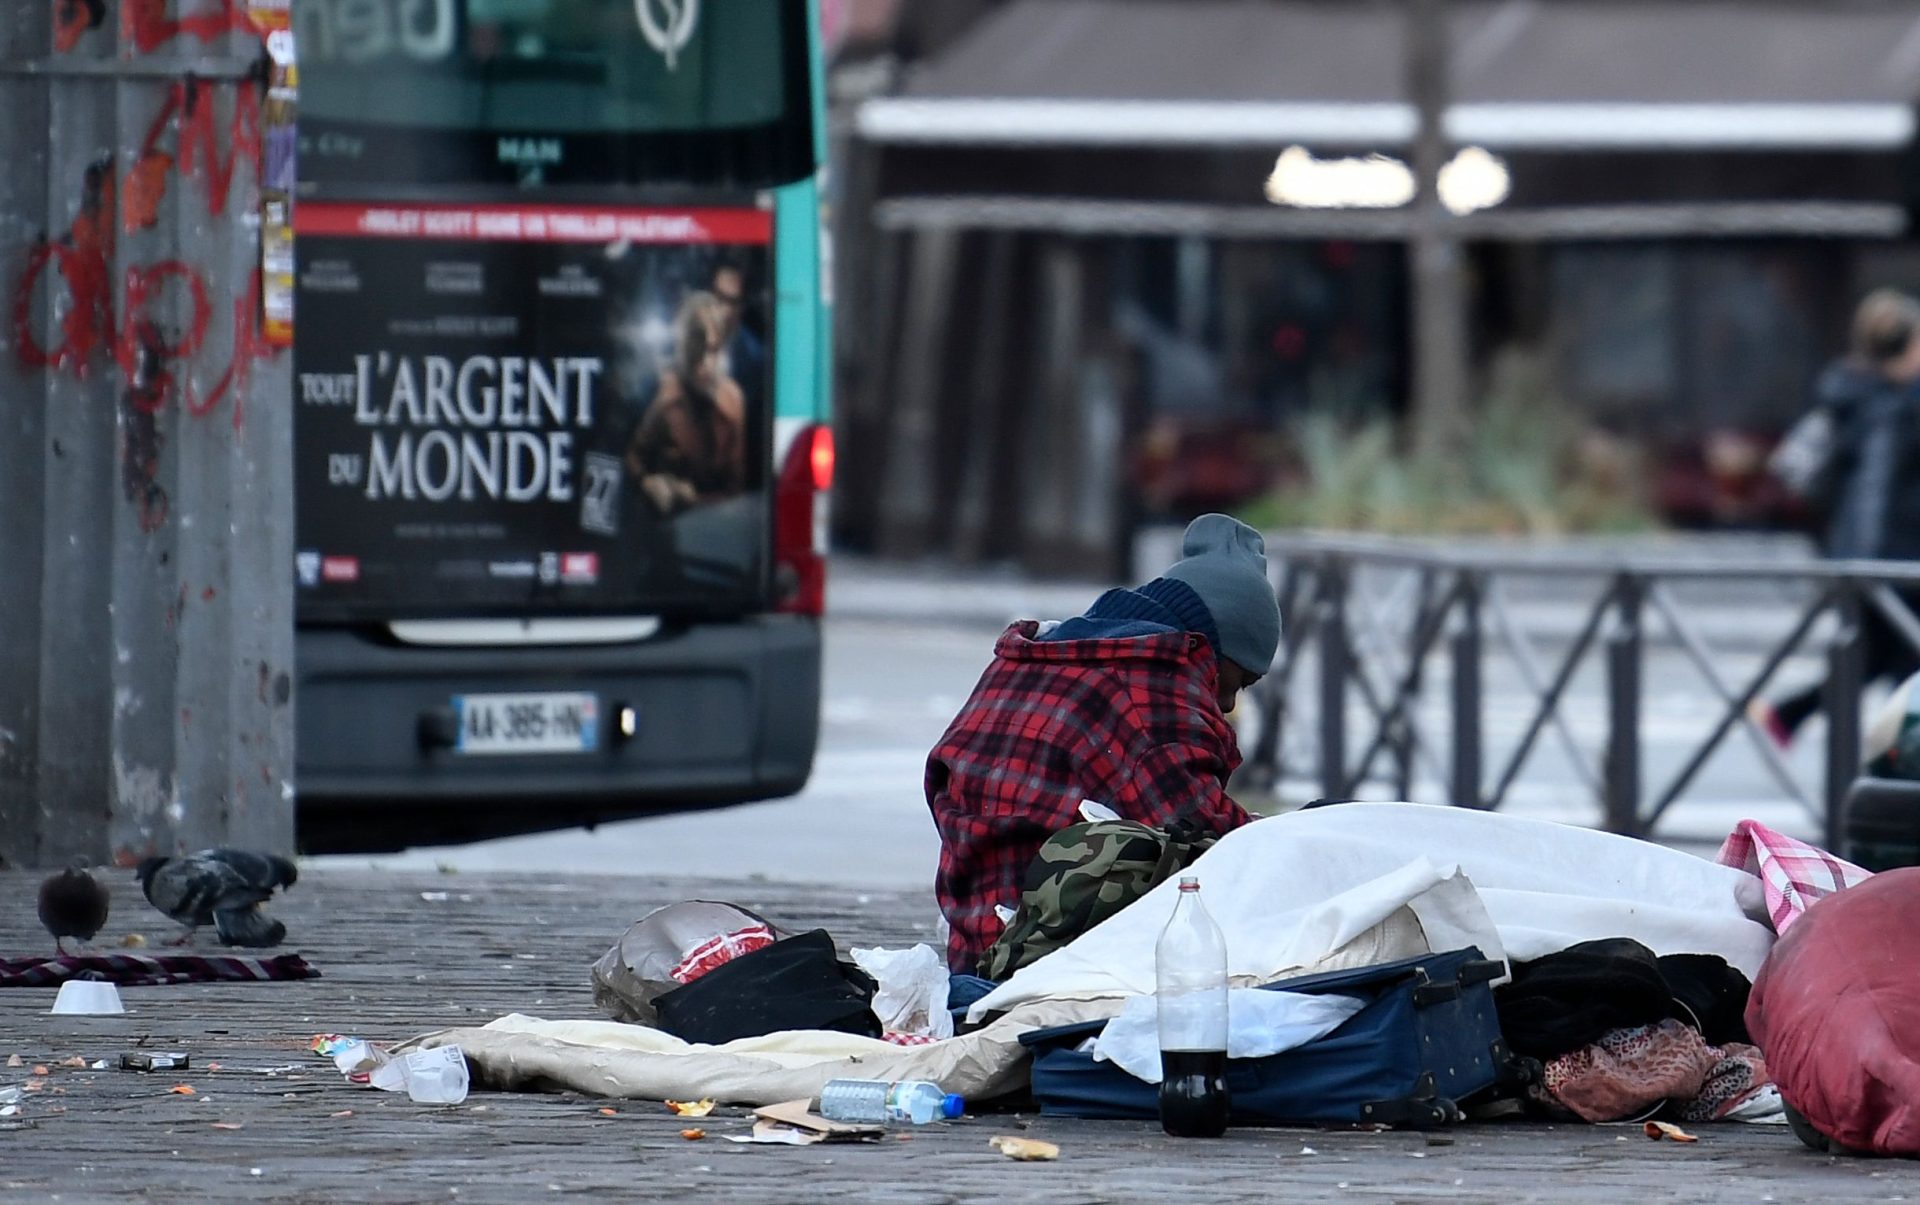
pixel 722 713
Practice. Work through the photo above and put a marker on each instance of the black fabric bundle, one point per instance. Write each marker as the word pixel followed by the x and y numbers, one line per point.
pixel 796 983
pixel 1569 999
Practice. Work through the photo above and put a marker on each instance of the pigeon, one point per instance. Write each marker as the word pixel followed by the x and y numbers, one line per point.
pixel 72 904
pixel 222 887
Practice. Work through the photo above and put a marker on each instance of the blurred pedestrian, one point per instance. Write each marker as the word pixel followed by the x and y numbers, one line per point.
pixel 1125 705
pixel 1860 471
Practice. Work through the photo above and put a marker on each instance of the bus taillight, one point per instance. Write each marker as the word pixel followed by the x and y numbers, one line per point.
pixel 799 523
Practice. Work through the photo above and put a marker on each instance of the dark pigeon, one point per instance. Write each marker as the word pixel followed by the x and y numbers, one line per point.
pixel 72 904
pixel 221 887
pixel 261 870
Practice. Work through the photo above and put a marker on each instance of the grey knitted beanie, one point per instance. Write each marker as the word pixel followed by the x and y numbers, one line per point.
pixel 1225 563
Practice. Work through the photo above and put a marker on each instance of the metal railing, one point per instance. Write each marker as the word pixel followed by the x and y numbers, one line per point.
pixel 1580 645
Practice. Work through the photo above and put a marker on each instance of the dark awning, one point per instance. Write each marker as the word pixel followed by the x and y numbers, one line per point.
pixel 1622 74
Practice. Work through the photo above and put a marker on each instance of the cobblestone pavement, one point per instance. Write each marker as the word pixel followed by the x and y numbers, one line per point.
pixel 407 952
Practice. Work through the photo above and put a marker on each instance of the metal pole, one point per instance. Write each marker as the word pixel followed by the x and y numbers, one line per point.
pixel 1625 647
pixel 1404 742
pixel 1436 273
pixel 1846 667
pixel 1468 741
pixel 1335 658
pixel 146 611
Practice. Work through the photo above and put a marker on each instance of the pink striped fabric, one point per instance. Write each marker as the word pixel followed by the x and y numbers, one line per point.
pixel 1792 873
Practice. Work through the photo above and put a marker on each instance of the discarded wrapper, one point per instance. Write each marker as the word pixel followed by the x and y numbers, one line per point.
pixel 357 1059
pixel 773 1133
pixel 691 1108
pixel 141 1060
pixel 1657 1130
pixel 326 1045
pixel 1025 1150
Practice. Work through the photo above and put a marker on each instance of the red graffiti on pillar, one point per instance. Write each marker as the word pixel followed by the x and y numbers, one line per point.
pixel 142 350
pixel 73 18
pixel 156 359
pixel 189 106
pixel 248 346
pixel 80 257
pixel 145 24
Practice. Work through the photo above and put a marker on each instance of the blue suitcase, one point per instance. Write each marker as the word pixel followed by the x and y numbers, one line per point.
pixel 1426 1041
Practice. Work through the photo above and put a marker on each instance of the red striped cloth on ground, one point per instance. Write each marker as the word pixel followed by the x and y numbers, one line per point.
pixel 147 970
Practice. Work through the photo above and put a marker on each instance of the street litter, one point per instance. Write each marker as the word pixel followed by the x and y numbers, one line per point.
pixel 75 1061
pixel 9 1095
pixel 326 1045
pixel 436 1077
pixel 181 1090
pixel 912 996
pixel 86 997
pixel 342 1113
pixel 772 1134
pixel 615 1112
pixel 40 1069
pixel 693 1135
pixel 9 1110
pixel 229 1125
pixel 691 1108
pixel 1024 1150
pixel 14 1060
pixel 793 1123
pixel 144 1061
pixel 1657 1130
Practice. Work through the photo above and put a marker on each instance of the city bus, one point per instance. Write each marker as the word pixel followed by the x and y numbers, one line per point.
pixel 561 435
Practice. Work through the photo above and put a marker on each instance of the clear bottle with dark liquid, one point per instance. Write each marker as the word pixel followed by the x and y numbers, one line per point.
pixel 1190 965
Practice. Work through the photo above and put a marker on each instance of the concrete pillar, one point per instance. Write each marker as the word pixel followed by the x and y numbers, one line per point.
pixel 146 507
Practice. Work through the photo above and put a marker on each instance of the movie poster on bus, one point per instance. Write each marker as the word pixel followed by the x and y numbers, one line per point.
pixel 512 408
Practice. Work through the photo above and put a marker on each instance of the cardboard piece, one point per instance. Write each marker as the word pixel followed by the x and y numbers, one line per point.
pixel 799 1115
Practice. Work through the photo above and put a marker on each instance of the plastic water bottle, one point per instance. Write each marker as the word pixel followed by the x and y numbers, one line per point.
pixel 437 1076
pixel 880 1101
pixel 1190 968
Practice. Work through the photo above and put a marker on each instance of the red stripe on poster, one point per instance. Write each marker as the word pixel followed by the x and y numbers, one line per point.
pixel 533 223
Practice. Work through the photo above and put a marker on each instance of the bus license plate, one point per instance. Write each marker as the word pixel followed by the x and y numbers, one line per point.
pixel 543 723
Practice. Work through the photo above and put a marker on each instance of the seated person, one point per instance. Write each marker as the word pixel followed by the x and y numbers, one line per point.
pixel 1125 705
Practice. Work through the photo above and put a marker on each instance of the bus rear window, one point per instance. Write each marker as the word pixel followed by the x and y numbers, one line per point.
pixel 708 93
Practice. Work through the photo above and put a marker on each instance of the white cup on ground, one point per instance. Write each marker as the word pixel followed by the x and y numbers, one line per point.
pixel 88 997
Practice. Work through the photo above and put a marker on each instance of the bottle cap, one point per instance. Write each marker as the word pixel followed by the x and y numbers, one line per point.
pixel 952 1105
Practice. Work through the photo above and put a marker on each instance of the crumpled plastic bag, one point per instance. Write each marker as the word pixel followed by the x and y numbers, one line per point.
pixel 653 957
pixel 913 990
pixel 1259 1023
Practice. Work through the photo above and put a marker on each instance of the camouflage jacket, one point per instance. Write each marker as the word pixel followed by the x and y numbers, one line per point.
pixel 1082 875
